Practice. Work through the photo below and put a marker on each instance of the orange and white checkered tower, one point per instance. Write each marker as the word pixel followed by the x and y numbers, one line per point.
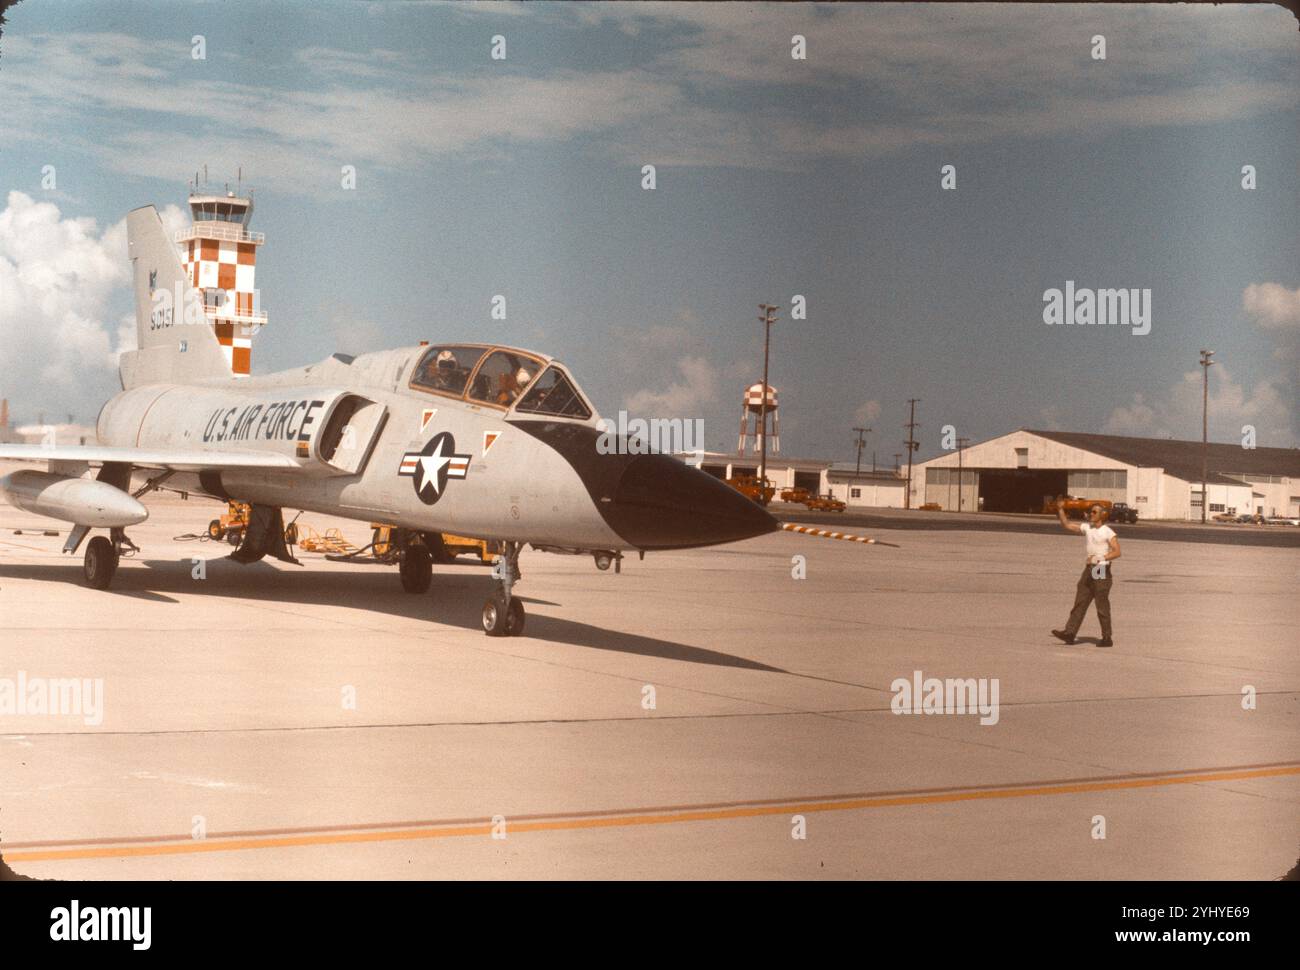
pixel 219 255
pixel 764 417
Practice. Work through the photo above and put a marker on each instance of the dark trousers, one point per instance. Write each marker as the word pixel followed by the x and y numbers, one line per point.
pixel 1090 589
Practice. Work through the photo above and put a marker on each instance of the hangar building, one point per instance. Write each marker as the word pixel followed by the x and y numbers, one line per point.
pixel 1158 477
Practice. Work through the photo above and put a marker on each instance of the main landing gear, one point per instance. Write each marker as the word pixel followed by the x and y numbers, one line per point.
pixel 102 556
pixel 100 563
pixel 415 566
pixel 503 614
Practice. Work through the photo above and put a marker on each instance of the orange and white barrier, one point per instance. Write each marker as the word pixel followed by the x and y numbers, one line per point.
pixel 827 534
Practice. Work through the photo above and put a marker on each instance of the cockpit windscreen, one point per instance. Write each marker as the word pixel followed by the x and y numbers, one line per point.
pixel 554 394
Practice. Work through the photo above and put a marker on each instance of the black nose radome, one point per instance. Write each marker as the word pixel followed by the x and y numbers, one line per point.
pixel 662 503
pixel 654 501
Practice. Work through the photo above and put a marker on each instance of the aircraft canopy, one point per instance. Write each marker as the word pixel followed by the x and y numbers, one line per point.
pixel 503 377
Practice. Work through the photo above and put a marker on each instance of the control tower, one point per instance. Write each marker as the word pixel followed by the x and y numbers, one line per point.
pixel 219 255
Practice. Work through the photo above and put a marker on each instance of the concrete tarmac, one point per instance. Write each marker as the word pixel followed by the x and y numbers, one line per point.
pixel 685 719
pixel 1218 533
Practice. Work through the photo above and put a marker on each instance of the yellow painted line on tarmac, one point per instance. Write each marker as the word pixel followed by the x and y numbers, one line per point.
pixel 657 817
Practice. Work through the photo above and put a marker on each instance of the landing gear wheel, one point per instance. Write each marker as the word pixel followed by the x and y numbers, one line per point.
pixel 602 561
pixel 100 563
pixel 503 613
pixel 515 618
pixel 416 570
pixel 215 531
pixel 234 536
pixel 500 620
pixel 495 615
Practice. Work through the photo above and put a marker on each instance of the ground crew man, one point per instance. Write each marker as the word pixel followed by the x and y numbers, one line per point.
pixel 1102 549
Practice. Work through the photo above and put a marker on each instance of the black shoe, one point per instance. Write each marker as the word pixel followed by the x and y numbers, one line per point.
pixel 1063 636
pixel 1105 642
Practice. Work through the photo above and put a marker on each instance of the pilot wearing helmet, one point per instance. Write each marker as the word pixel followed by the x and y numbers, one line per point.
pixel 447 373
pixel 512 386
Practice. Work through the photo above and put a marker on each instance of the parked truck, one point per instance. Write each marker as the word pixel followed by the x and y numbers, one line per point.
pixel 749 485
pixel 1075 506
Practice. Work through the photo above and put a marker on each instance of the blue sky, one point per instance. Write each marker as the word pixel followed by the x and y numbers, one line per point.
pixel 775 177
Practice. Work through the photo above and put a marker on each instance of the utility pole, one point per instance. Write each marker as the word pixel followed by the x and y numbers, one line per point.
pixel 961 477
pixel 861 443
pixel 768 317
pixel 1206 364
pixel 912 445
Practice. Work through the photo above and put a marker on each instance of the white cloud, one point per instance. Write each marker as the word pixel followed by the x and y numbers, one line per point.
pixel 877 79
pixel 686 398
pixel 1270 405
pixel 57 278
pixel 867 412
pixel 1272 306
pixel 1177 412
pixel 1276 311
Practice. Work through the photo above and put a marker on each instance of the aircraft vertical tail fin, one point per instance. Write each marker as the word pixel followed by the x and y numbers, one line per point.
pixel 175 339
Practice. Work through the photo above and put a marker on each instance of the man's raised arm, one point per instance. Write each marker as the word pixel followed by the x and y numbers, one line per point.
pixel 1060 515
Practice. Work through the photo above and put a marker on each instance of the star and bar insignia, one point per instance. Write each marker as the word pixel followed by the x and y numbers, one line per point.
pixel 431 467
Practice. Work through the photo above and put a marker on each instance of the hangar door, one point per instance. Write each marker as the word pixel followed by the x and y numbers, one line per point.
pixel 1019 489
pixel 809 480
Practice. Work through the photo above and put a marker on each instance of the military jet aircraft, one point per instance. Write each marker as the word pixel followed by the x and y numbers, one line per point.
pixel 470 438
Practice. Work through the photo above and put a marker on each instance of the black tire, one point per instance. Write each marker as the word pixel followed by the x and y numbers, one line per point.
pixel 215 531
pixel 234 536
pixel 495 616
pixel 100 563
pixel 515 617
pixel 416 570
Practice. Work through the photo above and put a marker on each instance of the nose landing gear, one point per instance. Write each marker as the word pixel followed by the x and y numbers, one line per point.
pixel 503 614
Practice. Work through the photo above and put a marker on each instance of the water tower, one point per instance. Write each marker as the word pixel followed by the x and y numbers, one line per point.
pixel 219 255
pixel 763 416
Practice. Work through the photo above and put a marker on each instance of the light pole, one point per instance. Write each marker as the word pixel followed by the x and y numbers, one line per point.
pixel 1206 364
pixel 768 317
pixel 961 478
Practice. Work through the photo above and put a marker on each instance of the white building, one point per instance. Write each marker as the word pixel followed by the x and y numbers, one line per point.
pixel 55 434
pixel 1160 478
pixel 868 489
pixel 782 472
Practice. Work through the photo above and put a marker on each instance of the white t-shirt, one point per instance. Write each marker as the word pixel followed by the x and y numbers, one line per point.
pixel 1097 541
